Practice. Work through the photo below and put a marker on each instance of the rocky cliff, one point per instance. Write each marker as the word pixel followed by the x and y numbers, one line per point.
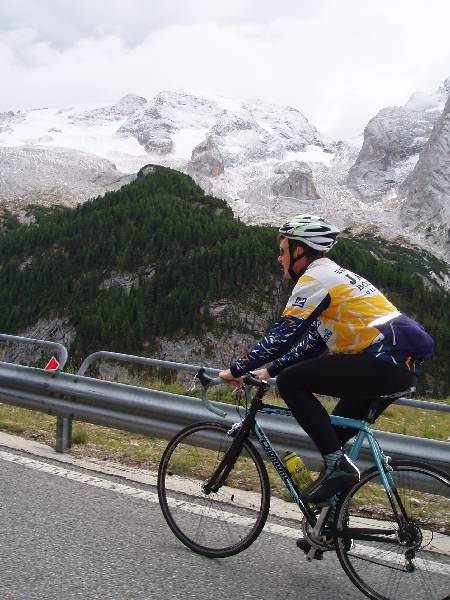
pixel 393 140
pixel 426 190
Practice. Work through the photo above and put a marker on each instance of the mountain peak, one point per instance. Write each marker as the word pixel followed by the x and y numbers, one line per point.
pixel 129 104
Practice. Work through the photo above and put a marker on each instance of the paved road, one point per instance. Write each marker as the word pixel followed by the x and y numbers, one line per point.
pixel 63 538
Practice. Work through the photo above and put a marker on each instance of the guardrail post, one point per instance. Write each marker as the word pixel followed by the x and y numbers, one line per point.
pixel 63 433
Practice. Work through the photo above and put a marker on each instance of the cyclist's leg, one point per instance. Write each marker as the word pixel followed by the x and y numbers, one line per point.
pixel 296 385
pixel 356 407
pixel 357 377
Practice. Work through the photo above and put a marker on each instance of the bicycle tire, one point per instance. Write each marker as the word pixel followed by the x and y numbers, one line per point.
pixel 215 525
pixel 418 568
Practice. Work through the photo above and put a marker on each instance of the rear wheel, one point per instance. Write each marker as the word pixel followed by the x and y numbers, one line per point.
pixel 407 561
pixel 216 524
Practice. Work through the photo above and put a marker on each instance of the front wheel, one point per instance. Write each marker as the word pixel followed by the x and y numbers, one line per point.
pixel 404 556
pixel 216 524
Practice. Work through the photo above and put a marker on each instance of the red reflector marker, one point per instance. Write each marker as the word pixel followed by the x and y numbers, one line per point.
pixel 52 364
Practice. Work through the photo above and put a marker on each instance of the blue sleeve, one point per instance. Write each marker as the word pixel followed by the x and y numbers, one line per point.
pixel 310 346
pixel 282 336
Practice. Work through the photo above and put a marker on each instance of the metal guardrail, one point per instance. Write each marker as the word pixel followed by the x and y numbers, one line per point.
pixel 154 362
pixel 59 349
pixel 162 414
pixel 137 360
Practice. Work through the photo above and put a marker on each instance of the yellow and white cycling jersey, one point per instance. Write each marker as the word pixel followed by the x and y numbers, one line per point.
pixel 350 307
pixel 332 309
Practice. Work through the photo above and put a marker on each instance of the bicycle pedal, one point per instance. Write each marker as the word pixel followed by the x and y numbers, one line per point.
pixel 314 554
pixel 311 552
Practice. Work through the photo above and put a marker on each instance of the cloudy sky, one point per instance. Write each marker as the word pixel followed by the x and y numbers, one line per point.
pixel 339 61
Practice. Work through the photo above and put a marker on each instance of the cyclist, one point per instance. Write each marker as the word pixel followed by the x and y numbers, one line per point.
pixel 338 336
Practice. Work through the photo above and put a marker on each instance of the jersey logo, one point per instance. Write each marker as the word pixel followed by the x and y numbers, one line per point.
pixel 356 280
pixel 300 302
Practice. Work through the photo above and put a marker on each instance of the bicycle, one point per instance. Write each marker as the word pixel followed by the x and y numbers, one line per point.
pixel 390 531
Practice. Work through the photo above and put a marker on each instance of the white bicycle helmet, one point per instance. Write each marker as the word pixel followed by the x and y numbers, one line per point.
pixel 311 230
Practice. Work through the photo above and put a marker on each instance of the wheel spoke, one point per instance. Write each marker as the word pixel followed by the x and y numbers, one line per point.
pixel 415 563
pixel 220 523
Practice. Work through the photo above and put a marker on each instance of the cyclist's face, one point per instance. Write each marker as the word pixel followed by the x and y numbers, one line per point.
pixel 284 259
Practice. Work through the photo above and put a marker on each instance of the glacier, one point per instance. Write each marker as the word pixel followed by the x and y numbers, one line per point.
pixel 267 161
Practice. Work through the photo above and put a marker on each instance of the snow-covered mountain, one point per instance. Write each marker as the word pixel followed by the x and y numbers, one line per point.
pixel 38 175
pixel 232 148
pixel 87 128
pixel 267 161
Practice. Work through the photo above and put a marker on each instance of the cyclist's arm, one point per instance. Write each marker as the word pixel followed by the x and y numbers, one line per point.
pixel 296 319
pixel 310 346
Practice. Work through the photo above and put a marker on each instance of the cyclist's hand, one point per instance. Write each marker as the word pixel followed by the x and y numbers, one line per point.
pixel 230 379
pixel 262 374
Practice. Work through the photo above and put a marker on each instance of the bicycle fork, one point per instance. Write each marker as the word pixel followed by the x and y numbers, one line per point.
pixel 241 431
pixel 223 469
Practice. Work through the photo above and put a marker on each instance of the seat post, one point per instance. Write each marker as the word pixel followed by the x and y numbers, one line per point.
pixel 372 412
pixel 378 405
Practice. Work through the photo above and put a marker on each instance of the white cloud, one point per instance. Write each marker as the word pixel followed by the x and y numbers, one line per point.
pixel 339 61
pixel 64 21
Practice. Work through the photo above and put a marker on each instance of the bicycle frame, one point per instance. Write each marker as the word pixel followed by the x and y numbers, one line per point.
pixel 364 432
pixel 250 425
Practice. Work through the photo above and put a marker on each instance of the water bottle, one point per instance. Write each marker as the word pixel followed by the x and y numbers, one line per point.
pixel 297 470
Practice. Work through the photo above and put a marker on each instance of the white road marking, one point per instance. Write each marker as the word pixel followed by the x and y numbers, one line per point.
pixel 127 490
pixel 191 507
